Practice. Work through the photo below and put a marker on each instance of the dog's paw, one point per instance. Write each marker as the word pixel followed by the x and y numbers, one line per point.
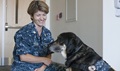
pixel 91 68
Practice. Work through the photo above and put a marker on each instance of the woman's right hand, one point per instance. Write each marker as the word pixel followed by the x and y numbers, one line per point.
pixel 42 68
pixel 47 61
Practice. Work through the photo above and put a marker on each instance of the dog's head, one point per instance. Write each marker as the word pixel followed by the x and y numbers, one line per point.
pixel 66 43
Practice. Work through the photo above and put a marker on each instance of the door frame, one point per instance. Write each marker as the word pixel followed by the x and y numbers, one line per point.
pixel 3 29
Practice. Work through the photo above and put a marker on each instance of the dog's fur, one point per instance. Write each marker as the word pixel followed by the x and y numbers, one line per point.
pixel 78 55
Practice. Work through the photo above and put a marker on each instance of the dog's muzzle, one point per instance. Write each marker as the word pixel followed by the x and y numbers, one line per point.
pixel 56 48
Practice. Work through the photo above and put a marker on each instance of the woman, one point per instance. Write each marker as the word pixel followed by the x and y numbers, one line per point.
pixel 31 52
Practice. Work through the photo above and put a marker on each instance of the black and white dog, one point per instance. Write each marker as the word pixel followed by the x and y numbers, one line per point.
pixel 79 56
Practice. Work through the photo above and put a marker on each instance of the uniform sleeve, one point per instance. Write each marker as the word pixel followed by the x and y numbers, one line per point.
pixel 21 45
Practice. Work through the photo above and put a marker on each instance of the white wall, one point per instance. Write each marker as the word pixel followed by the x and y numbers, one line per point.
pixel 48 15
pixel 111 34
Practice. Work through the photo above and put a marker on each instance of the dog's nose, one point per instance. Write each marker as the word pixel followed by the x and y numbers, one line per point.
pixel 58 49
pixel 55 48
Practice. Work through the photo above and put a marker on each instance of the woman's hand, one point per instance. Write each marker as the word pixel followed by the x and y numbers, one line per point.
pixel 47 61
pixel 42 68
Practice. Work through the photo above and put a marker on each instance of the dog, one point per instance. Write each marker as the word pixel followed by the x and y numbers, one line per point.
pixel 79 56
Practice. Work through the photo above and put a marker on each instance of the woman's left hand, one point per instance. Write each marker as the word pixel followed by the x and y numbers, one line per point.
pixel 42 68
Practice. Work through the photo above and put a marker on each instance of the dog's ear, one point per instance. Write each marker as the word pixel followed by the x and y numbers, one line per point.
pixel 77 41
pixel 73 45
